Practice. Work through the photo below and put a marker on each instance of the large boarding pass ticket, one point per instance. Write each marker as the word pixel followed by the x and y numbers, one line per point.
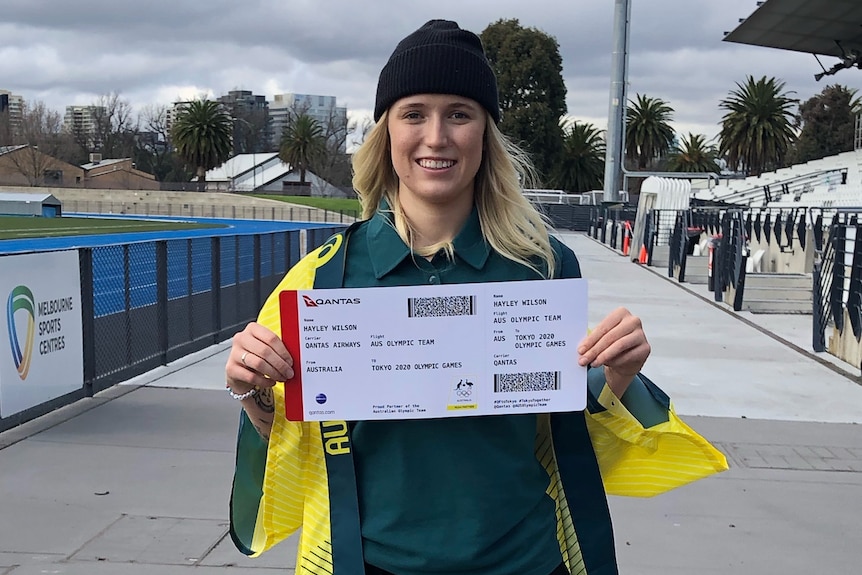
pixel 435 351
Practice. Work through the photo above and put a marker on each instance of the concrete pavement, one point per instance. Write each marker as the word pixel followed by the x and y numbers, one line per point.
pixel 137 479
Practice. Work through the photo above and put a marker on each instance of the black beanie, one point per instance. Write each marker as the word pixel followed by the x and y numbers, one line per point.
pixel 438 58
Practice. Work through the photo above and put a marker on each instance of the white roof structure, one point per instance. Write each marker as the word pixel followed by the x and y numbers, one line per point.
pixel 28 197
pixel 240 164
pixel 101 163
pixel 827 27
pixel 7 149
pixel 259 172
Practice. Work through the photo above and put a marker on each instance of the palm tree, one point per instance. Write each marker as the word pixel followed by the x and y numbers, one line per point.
pixel 694 155
pixel 583 165
pixel 757 130
pixel 648 132
pixel 301 144
pixel 202 136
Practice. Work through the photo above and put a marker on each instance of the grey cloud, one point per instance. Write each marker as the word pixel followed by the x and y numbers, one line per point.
pixel 72 51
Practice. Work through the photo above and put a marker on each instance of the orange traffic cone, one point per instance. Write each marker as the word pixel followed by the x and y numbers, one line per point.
pixel 642 256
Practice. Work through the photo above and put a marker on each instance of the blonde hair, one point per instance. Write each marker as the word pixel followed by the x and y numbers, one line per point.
pixel 510 224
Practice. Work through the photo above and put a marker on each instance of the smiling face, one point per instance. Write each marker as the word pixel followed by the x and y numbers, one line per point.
pixel 436 146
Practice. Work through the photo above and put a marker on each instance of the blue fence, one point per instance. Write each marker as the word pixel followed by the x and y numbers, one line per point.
pixel 146 304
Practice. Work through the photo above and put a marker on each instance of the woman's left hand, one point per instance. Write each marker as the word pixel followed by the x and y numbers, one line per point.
pixel 619 344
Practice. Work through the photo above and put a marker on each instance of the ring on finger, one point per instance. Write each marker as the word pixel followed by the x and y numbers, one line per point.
pixel 242 358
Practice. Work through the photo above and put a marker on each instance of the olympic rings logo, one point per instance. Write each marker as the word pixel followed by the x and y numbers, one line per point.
pixel 464 393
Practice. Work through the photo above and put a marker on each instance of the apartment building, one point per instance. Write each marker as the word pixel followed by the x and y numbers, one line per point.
pixel 81 122
pixel 13 105
pixel 324 109
pixel 252 125
pixel 173 112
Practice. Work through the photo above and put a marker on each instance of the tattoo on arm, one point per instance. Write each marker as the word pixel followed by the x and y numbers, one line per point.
pixel 262 431
pixel 260 415
pixel 264 400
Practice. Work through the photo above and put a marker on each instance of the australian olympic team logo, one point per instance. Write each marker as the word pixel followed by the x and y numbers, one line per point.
pixel 464 388
pixel 21 302
pixel 462 395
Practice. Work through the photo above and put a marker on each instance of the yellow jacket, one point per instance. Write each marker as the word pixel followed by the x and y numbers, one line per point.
pixel 284 485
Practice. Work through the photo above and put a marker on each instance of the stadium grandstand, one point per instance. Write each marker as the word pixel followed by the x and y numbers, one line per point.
pixel 824 28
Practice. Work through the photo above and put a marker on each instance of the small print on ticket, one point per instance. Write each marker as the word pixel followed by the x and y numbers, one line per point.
pixel 435 351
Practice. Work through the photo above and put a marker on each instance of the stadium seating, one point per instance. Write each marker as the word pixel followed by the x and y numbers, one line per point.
pixel 834 181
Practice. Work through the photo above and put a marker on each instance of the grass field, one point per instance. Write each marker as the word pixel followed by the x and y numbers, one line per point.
pixel 19 227
pixel 332 204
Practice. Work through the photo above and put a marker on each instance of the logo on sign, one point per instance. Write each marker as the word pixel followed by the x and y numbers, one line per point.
pixel 321 398
pixel 308 301
pixel 21 304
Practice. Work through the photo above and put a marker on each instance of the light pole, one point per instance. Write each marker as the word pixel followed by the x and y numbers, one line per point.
pixel 248 139
pixel 618 102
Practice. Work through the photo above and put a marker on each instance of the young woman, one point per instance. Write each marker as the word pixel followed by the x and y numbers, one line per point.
pixel 513 494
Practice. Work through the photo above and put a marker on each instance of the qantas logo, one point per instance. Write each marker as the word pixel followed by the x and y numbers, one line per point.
pixel 329 301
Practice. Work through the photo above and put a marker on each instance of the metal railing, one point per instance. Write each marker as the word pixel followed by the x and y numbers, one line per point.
pixel 571 217
pixel 793 186
pixel 823 281
pixel 606 224
pixel 678 253
pixel 729 259
pixel 838 277
pixel 658 229
pixel 837 266
pixel 764 224
pixel 857 134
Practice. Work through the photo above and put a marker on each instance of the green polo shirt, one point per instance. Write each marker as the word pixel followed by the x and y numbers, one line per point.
pixel 460 495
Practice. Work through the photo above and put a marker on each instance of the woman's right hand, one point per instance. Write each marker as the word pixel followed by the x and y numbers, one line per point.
pixel 257 359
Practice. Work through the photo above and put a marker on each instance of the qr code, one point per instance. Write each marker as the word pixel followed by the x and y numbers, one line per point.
pixel 443 306
pixel 521 382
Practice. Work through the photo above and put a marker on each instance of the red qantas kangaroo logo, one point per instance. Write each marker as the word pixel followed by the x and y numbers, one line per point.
pixel 309 302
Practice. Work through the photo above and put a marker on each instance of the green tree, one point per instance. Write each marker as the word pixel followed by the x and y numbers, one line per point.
pixel 153 151
pixel 202 136
pixel 252 131
pixel 757 128
pixel 648 132
pixel 693 154
pixel 583 162
pixel 333 166
pixel 828 122
pixel 302 143
pixel 529 72
pixel 115 129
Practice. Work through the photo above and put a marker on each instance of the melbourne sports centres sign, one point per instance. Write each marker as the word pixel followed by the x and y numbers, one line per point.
pixel 41 344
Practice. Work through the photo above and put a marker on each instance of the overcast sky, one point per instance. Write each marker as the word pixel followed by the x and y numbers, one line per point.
pixel 160 51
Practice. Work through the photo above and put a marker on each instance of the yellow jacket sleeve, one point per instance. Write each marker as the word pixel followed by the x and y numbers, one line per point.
pixel 645 461
pixel 294 489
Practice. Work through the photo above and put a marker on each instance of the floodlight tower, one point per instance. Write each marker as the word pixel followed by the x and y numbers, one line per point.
pixel 618 102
